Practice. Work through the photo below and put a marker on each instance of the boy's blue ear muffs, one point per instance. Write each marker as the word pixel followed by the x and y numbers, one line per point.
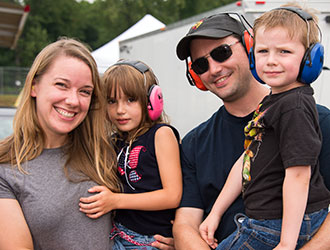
pixel 252 62
pixel 312 64
pixel 155 96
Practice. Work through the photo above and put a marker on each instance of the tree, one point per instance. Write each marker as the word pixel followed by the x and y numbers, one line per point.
pixel 94 24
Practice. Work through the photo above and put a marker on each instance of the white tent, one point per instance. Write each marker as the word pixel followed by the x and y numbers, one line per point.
pixel 108 54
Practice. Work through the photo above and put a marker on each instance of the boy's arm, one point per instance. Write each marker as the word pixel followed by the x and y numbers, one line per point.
pixel 230 191
pixel 295 194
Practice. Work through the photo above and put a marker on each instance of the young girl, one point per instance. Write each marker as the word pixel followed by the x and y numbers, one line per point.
pixel 284 195
pixel 148 159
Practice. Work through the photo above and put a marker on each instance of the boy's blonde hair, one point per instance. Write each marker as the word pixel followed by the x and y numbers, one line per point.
pixel 87 150
pixel 307 31
pixel 135 85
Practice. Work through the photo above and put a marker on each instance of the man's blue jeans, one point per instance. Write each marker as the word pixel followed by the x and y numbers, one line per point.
pixel 125 238
pixel 265 234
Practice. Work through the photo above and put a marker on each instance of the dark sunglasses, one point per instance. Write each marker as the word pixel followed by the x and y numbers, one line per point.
pixel 219 54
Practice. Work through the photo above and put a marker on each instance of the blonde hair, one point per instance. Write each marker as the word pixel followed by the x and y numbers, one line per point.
pixel 88 150
pixel 293 23
pixel 135 85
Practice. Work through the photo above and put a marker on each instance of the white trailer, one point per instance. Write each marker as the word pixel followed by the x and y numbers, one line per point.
pixel 187 106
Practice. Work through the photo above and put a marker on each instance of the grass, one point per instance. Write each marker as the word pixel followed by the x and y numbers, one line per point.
pixel 8 100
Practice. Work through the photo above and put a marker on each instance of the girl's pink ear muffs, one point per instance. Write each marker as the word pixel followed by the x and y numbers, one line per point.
pixel 155 102
pixel 155 95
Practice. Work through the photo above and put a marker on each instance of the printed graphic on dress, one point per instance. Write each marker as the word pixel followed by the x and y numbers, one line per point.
pixel 128 164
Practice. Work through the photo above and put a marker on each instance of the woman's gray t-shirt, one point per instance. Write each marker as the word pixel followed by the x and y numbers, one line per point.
pixel 50 204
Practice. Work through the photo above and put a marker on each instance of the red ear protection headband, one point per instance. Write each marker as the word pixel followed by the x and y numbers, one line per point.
pixel 155 95
pixel 246 40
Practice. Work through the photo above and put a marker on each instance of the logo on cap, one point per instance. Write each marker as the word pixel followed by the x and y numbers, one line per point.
pixel 197 24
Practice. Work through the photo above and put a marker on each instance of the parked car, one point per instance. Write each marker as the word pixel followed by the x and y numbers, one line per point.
pixel 6 121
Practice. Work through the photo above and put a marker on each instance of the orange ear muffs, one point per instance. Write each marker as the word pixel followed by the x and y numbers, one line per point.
pixel 194 79
pixel 247 40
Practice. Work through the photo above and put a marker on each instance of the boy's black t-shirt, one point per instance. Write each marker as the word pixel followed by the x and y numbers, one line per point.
pixel 288 135
pixel 209 152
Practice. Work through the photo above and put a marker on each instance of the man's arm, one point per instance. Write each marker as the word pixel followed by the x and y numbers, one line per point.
pixel 321 240
pixel 185 229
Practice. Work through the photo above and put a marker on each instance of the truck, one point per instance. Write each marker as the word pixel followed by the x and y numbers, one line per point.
pixel 188 106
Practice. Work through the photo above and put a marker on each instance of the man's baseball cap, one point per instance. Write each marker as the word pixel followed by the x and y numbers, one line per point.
pixel 215 26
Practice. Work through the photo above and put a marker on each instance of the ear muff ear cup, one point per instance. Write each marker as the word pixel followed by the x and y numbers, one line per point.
pixel 252 62
pixel 155 102
pixel 197 81
pixel 311 64
pixel 247 40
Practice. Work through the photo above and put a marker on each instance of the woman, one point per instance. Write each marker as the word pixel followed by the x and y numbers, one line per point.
pixel 58 150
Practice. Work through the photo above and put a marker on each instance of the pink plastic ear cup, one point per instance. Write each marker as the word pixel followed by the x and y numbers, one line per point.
pixel 156 103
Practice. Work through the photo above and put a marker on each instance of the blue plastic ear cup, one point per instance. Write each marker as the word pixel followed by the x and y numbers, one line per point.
pixel 252 62
pixel 312 64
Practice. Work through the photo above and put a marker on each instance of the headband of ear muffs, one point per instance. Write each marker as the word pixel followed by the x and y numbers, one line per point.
pixel 312 62
pixel 154 93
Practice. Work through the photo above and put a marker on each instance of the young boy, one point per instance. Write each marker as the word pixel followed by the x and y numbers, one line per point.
pixel 284 195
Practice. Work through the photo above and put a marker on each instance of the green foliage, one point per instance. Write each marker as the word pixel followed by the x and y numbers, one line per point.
pixel 7 100
pixel 94 24
pixel 30 44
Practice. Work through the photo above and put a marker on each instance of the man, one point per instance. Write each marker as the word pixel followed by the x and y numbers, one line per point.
pixel 218 50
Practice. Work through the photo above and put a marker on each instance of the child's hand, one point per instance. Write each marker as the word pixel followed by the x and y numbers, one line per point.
pixel 98 204
pixel 207 229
